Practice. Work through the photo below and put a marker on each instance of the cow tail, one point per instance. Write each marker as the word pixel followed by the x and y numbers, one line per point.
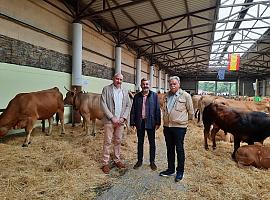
pixel 199 115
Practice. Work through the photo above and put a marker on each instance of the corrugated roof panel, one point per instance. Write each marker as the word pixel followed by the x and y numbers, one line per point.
pixel 176 24
pixel 170 8
pixel 195 5
pixel 142 13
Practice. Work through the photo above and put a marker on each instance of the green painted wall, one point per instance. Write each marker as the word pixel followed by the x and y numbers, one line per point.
pixel 16 79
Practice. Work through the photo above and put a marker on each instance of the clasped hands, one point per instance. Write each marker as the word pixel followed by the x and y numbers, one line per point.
pixel 117 122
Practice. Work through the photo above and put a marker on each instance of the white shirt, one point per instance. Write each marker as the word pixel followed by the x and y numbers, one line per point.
pixel 118 99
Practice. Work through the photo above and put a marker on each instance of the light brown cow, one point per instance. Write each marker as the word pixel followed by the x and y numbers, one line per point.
pixel 253 155
pixel 26 108
pixel 205 101
pixel 195 101
pixel 88 104
pixel 161 97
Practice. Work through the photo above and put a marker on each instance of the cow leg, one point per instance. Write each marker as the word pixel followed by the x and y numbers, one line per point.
pixel 50 126
pixel 213 136
pixel 94 127
pixel 236 146
pixel 61 117
pixel 28 130
pixel 87 124
pixel 83 124
pixel 206 133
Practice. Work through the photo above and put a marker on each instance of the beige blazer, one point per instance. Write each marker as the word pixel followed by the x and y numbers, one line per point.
pixel 108 105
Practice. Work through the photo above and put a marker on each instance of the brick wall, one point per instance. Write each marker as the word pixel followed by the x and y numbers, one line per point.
pixel 22 53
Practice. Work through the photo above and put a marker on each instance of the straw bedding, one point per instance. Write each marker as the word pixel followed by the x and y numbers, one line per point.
pixel 68 167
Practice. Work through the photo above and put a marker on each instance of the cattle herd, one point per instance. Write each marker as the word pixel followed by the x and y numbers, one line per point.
pixel 241 120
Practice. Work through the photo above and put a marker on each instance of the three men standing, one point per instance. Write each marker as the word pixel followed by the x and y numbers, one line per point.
pixel 145 115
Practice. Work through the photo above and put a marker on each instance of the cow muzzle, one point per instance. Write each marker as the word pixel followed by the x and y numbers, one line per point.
pixel 3 131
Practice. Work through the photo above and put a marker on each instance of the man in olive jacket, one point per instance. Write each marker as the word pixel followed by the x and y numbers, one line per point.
pixel 145 115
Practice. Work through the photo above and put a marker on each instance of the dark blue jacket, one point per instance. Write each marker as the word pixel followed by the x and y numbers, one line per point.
pixel 152 110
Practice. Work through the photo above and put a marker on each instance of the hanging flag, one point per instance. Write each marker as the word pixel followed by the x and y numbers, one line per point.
pixel 234 61
pixel 221 74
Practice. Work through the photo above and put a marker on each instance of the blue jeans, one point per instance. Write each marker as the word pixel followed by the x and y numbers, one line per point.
pixel 174 138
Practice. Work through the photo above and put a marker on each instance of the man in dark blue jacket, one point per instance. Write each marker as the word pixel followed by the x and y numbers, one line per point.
pixel 145 115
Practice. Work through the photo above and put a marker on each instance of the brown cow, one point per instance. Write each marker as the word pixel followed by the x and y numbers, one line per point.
pixel 244 106
pixel 248 127
pixel 26 108
pixel 254 155
pixel 195 101
pixel 90 109
pixel 88 105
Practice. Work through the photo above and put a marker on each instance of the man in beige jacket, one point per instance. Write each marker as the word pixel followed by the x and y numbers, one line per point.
pixel 177 110
pixel 116 106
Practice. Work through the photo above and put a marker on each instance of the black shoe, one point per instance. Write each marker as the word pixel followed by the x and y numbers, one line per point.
pixel 167 173
pixel 179 176
pixel 137 165
pixel 153 166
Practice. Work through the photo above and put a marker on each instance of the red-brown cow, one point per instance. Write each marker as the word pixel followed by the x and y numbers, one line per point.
pixel 254 155
pixel 26 108
pixel 88 104
pixel 248 127
pixel 244 106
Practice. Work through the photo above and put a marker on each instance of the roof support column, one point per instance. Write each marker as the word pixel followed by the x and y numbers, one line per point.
pixel 215 87
pixel 151 75
pixel 138 73
pixel 256 88
pixel 243 89
pixel 76 64
pixel 118 59
pixel 166 83
pixel 238 87
pixel 263 88
pixel 159 80
pixel 77 54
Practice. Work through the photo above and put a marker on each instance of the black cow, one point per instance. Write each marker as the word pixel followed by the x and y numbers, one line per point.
pixel 248 127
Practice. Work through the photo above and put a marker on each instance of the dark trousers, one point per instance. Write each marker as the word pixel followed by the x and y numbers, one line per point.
pixel 151 139
pixel 174 138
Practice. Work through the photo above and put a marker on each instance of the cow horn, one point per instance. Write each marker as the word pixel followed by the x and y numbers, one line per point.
pixel 67 89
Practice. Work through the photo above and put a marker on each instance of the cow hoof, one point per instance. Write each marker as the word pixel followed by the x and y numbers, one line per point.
pixel 206 148
pixel 63 133
pixel 25 145
pixel 214 148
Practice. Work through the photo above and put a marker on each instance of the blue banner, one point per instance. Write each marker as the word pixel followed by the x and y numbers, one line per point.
pixel 221 74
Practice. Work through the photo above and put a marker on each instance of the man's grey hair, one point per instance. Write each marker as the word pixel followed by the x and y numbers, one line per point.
pixel 175 78
pixel 118 74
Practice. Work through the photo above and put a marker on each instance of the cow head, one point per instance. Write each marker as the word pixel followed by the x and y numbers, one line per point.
pixel 3 131
pixel 69 99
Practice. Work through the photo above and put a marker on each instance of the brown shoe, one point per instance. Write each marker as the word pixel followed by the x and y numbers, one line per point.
pixel 120 165
pixel 106 169
pixel 153 166
pixel 137 165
